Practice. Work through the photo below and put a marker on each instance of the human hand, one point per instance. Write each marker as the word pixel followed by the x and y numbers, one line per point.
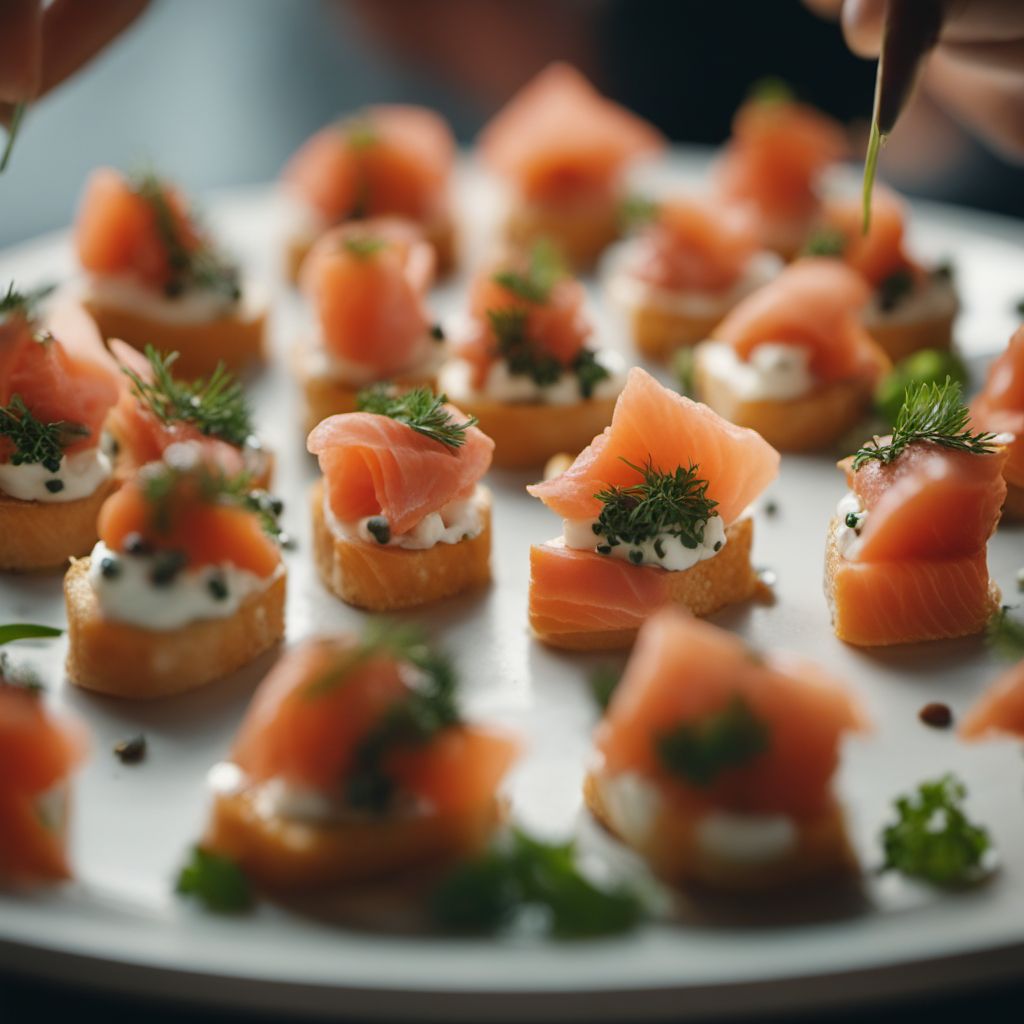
pixel 977 70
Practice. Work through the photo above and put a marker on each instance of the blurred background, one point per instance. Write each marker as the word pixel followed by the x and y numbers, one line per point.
pixel 220 92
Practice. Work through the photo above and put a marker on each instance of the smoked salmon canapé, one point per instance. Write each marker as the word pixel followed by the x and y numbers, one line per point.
pixel 157 408
pixel 691 260
pixel 57 385
pixel 906 554
pixel 774 164
pixel 523 364
pixel 39 752
pixel 563 150
pixel 715 762
pixel 400 517
pixel 792 360
pixel 911 307
pixel 1000 408
pixel 184 586
pixel 653 514
pixel 365 284
pixel 1000 709
pixel 384 161
pixel 154 276
pixel 354 763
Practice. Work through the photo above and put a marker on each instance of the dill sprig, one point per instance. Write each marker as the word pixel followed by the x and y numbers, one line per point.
pixel 36 442
pixel 1005 635
pixel 825 242
pixel 675 504
pixel 202 268
pixel 544 269
pixel 419 409
pixel 215 405
pixel 12 133
pixel 25 304
pixel 933 413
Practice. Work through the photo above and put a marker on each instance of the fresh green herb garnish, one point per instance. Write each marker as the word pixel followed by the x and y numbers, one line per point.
pixel 36 442
pixel 826 242
pixel 929 366
pixel 875 140
pixel 419 409
pixel 698 752
pixel 365 246
pixel 520 354
pixel 25 304
pixel 637 211
pixel 201 267
pixel 930 412
pixel 932 839
pixel 218 883
pixel 1005 635
pixel 215 405
pixel 519 874
pixel 684 367
pixel 603 682
pixel 589 371
pixel 674 504
pixel 544 269
pixel 12 133
pixel 26 631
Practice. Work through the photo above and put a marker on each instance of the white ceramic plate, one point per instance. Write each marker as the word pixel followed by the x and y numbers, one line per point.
pixel 120 926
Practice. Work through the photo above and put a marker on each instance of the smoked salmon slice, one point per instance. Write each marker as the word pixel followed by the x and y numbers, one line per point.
pixel 376 465
pixel 38 753
pixel 999 408
pixel 1000 710
pixel 558 138
pixel 814 304
pixel 366 282
pixel 652 423
pixel 384 160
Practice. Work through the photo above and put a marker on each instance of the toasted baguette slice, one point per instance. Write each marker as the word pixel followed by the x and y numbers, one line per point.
pixel 821 852
pixel 901 339
pixel 441 234
pixel 277 853
pixel 124 660
pixel 236 340
pixel 45 534
pixel 579 621
pixel 658 332
pixel 581 230
pixel 383 579
pixel 807 423
pixel 878 604
pixel 526 435
pixel 1013 506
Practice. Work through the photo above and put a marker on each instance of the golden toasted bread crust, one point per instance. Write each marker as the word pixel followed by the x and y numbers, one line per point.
pixel 124 660
pixel 383 579
pixel 658 332
pixel 822 850
pixel 37 535
pixel 278 853
pixel 236 341
pixel 903 339
pixel 581 230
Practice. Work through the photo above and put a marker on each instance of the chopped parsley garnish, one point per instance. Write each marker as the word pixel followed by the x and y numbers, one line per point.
pixel 25 304
pixel 1006 635
pixel 637 211
pixel 929 366
pixel 892 290
pixel 603 682
pixel 933 413
pixel 26 631
pixel 364 246
pixel 932 839
pixel 826 242
pixel 519 874
pixel 218 883
pixel 214 405
pixel 544 269
pixel 698 752
pixel 200 267
pixel 419 409
pixel 671 504
pixel 36 442
pixel 12 133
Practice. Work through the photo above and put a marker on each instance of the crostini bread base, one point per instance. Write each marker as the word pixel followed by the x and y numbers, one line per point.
pixel 657 333
pixel 708 586
pixel 279 853
pixel 125 660
pixel 809 422
pixel 877 605
pixel 526 435
pixel 236 341
pixel 581 230
pixel 822 851
pixel 37 535
pixel 380 578
pixel 901 339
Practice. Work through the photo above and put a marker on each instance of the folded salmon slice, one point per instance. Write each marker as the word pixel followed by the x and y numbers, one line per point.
pixel 684 670
pixel 999 407
pixel 558 137
pixel 375 465
pixel 60 370
pixel 38 753
pixel 310 715
pixel 1000 710
pixel 652 422
pixel 814 304
pixel 367 282
pixel 386 159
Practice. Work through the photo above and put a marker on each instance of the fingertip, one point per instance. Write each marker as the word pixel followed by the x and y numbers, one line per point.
pixel 862 26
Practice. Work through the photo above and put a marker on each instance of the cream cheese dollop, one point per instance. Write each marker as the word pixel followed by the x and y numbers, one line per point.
pixel 776 370
pixel 77 477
